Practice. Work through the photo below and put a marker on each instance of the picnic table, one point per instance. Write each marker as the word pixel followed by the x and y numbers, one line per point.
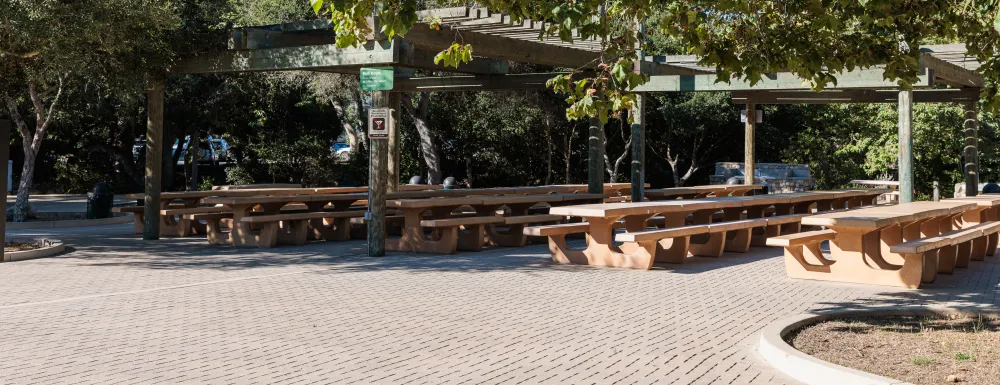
pixel 450 232
pixel 694 192
pixel 862 241
pixel 987 210
pixel 175 204
pixel 675 240
pixel 258 221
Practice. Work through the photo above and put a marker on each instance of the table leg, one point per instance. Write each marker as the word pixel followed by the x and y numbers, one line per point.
pixel 738 240
pixel 601 250
pixel 758 235
pixel 329 229
pixel 443 241
pixel 513 235
pixel 707 245
pixel 246 235
pixel 175 226
pixel 854 249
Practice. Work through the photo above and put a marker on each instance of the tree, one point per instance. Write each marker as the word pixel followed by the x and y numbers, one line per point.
pixel 695 126
pixel 428 148
pixel 816 40
pixel 48 45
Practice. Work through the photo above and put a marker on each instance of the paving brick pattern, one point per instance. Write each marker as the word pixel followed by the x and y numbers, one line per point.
pixel 119 310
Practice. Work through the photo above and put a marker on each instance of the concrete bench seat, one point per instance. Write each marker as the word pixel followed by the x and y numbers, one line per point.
pixel 531 219
pixel 714 234
pixel 297 228
pixel 214 231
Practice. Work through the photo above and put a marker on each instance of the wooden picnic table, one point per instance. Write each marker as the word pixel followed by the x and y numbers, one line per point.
pixel 694 192
pixel 446 236
pixel 860 245
pixel 602 219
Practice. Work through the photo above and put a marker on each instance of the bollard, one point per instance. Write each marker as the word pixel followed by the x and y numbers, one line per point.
pixel 937 192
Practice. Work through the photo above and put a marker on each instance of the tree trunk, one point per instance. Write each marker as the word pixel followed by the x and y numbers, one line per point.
pixel 569 152
pixel 427 146
pixel 194 149
pixel 362 118
pixel 31 141
pixel 352 135
pixel 468 171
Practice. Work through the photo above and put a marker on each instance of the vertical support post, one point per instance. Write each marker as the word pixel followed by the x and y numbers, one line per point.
pixel 749 157
pixel 971 150
pixel 378 175
pixel 639 149
pixel 394 142
pixel 905 146
pixel 154 156
pixel 595 159
pixel 4 157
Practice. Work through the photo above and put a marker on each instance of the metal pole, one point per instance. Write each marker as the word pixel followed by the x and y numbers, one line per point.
pixel 905 146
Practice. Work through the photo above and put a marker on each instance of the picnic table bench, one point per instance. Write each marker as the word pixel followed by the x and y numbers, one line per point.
pixel 640 246
pixel 873 245
pixel 695 192
pixel 449 232
pixel 258 221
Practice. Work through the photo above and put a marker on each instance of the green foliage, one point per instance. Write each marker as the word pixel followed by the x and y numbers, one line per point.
pixel 454 55
pixel 816 40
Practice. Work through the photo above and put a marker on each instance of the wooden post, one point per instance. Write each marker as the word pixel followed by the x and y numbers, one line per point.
pixel 639 149
pixel 749 157
pixel 971 150
pixel 378 175
pixel 4 157
pixel 154 156
pixel 394 139
pixel 595 159
pixel 905 146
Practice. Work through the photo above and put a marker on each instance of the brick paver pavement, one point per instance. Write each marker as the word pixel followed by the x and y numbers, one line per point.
pixel 118 310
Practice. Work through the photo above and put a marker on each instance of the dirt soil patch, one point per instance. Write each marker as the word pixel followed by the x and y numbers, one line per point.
pixel 20 246
pixel 917 349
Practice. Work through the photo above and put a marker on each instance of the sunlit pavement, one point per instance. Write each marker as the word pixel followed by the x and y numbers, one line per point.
pixel 117 309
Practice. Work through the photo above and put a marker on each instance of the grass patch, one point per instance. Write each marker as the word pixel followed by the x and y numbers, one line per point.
pixel 922 361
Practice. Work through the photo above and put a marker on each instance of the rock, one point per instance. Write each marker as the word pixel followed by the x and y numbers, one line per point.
pixel 954 378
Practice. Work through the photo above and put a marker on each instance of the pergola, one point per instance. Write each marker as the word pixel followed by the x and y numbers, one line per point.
pixel 947 76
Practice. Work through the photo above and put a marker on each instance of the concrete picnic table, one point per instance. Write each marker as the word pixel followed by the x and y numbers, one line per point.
pixel 987 209
pixel 267 234
pixel 602 219
pixel 860 245
pixel 446 237
pixel 177 226
pixel 694 192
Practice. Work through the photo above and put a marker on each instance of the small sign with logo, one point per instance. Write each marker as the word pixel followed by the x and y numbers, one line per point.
pixel 379 120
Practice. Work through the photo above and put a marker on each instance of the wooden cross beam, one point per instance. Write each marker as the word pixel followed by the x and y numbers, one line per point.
pixel 872 78
pixel 957 95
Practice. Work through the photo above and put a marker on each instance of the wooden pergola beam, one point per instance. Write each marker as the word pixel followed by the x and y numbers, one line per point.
pixel 290 58
pixel 950 72
pixel 872 78
pixel 957 95
pixel 473 82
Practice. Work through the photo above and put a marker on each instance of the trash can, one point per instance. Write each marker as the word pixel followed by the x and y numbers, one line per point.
pixel 99 202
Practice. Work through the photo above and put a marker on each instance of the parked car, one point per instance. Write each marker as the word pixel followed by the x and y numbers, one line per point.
pixel 214 150
pixel 342 151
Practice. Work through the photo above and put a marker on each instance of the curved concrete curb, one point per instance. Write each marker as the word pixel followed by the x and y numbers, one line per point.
pixel 54 247
pixel 69 223
pixel 814 371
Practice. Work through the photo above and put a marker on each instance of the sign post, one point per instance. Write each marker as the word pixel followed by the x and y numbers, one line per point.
pixel 379 123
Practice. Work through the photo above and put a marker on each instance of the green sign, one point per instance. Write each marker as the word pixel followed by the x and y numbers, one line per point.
pixel 376 79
